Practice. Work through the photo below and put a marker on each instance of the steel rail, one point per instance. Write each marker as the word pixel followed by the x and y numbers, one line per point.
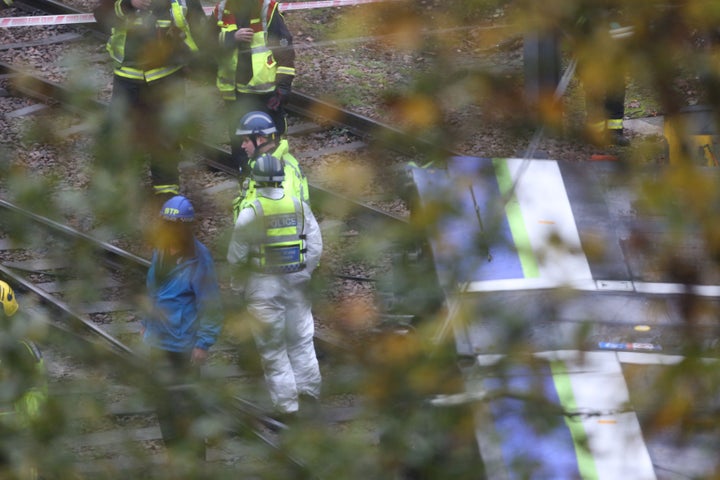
pixel 49 6
pixel 309 107
pixel 114 255
pixel 70 232
pixel 109 250
pixel 364 127
pixel 246 408
pixel 216 157
pixel 128 355
pixel 65 309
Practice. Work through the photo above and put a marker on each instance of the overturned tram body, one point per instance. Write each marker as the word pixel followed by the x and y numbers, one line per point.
pixel 585 306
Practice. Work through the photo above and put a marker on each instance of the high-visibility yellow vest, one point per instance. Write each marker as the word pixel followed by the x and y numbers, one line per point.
pixel 264 66
pixel 28 406
pixel 295 183
pixel 282 248
pixel 134 68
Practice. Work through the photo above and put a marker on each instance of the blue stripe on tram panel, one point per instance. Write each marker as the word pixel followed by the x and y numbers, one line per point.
pixel 481 196
pixel 565 416
pixel 446 232
pixel 533 445
pixel 522 220
pixel 460 243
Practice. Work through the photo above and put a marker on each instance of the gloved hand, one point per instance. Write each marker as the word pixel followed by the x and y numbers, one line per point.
pixel 279 98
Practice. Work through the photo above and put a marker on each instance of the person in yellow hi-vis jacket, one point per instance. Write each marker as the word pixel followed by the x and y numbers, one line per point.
pixel 23 390
pixel 258 135
pixel 151 43
pixel 255 65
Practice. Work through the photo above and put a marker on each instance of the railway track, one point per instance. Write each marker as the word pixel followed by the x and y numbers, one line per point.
pixel 98 376
pixel 382 211
pixel 357 215
pixel 364 134
pixel 121 423
pixel 368 228
pixel 98 334
pixel 218 158
pixel 361 139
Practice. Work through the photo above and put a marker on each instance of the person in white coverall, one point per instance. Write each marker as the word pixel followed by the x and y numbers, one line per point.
pixel 275 246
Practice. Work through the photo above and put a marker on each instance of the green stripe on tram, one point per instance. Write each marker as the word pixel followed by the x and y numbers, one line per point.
pixel 585 460
pixel 516 220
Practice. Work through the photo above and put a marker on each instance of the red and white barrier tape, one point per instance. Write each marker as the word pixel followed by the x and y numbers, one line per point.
pixel 286 7
pixel 7 22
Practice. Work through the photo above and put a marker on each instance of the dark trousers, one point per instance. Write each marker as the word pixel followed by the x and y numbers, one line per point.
pixel 605 102
pixel 175 404
pixel 236 109
pixel 603 75
pixel 139 115
pixel 615 103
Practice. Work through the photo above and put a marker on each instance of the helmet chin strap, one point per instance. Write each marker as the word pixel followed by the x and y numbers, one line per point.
pixel 257 152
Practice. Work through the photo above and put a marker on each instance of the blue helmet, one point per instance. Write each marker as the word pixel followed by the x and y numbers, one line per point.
pixel 178 208
pixel 256 123
pixel 268 169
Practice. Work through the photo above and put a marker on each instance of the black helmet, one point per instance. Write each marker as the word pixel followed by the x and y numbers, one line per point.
pixel 268 169
pixel 256 123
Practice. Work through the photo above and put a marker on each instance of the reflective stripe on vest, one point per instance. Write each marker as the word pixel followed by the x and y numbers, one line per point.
pixel 118 9
pixel 615 124
pixel 286 70
pixel 295 182
pixel 116 43
pixel 146 75
pixel 178 10
pixel 282 250
pixel 611 124
pixel 29 405
pixel 170 188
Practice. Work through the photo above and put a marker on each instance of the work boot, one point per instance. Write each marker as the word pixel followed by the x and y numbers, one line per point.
pixel 309 406
pixel 282 421
pixel 617 137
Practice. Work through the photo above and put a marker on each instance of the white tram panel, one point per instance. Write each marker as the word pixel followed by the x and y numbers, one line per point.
pixel 513 251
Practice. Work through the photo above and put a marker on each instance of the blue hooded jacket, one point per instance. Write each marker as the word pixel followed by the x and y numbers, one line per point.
pixel 187 310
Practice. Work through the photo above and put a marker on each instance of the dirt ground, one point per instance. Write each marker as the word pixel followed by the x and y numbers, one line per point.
pixel 463 86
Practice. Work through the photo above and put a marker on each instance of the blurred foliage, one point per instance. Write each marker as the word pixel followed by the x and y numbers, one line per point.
pixel 459 50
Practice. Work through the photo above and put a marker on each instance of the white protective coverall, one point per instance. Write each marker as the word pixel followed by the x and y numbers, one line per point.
pixel 280 305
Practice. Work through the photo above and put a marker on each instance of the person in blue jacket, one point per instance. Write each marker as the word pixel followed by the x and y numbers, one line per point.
pixel 185 316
